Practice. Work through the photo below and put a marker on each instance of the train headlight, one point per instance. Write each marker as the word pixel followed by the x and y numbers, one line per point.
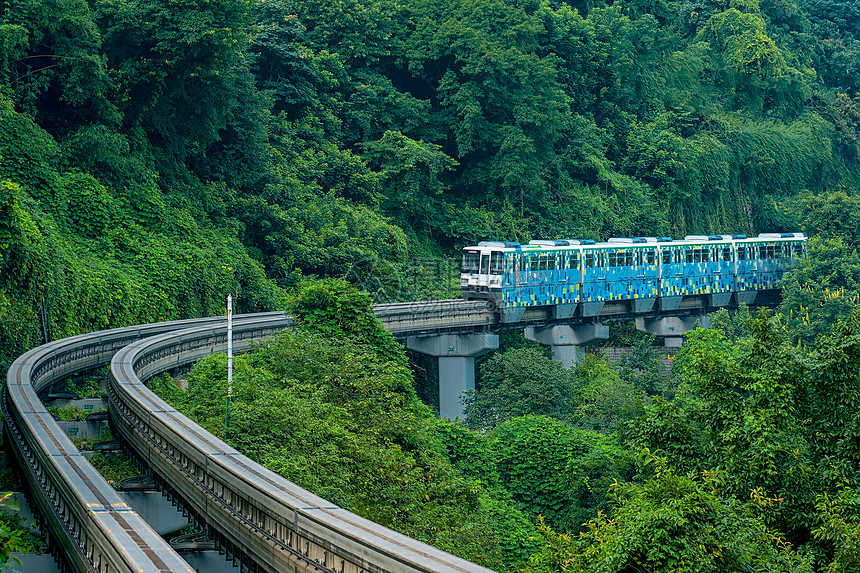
pixel 464 281
pixel 494 282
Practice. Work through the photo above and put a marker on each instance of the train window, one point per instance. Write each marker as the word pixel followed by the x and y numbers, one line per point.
pixel 706 254
pixel 798 249
pixel 762 251
pixel 470 261
pixel 497 263
pixel 667 257
pixel 689 254
pixel 611 259
pixel 651 257
pixel 574 260
pixel 589 260
pixel 534 263
pixel 485 264
pixel 727 253
pixel 777 251
pixel 550 262
pixel 629 258
pixel 742 253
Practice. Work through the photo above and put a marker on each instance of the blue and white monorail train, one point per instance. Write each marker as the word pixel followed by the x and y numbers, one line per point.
pixel 572 274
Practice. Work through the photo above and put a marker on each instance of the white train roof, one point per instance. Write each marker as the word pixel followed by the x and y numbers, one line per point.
pixel 616 242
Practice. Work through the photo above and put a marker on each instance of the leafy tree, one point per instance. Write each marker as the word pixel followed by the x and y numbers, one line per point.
pixel 556 471
pixel 411 172
pixel 830 397
pixel 828 215
pixel 178 68
pixel 53 63
pixel 518 382
pixel 822 288
pixel 336 308
pixel 751 397
pixel 604 401
pixel 840 529
pixel 673 522
pixel 505 104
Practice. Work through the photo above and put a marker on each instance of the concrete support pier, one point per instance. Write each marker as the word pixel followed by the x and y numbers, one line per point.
pixel 457 355
pixel 566 340
pixel 672 328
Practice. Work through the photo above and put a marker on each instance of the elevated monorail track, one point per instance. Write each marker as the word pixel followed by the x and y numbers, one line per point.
pixel 90 524
pixel 269 522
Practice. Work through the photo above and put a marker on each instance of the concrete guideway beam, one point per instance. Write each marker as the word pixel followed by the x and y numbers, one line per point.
pixel 566 340
pixel 672 328
pixel 457 355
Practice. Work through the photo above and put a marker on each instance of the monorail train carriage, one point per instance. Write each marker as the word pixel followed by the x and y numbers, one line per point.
pixel 577 275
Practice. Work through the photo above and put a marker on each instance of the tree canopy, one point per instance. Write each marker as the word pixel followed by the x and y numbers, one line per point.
pixel 157 155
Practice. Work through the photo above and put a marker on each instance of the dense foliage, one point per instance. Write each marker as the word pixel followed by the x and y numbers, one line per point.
pixel 157 155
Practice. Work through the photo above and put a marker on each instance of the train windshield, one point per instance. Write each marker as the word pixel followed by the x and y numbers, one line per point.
pixel 471 260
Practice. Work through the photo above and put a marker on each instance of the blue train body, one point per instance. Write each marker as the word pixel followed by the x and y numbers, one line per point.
pixel 581 276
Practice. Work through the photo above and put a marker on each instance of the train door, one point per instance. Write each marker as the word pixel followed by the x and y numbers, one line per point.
pixel 747 253
pixel 572 275
pixel 593 276
pixel 495 274
pixel 725 272
pixel 484 272
pixel 671 271
pixel 469 268
pixel 617 268
pixel 643 273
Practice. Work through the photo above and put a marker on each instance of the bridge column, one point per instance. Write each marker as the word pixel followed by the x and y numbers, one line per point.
pixel 672 328
pixel 566 340
pixel 457 355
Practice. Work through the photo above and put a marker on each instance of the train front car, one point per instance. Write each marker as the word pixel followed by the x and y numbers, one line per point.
pixel 517 277
pixel 483 268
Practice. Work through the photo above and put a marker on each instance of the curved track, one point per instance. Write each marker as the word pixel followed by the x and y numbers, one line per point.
pixel 274 524
pixel 98 532
pixel 92 526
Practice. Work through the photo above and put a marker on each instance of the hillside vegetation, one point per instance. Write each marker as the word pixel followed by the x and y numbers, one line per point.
pixel 158 154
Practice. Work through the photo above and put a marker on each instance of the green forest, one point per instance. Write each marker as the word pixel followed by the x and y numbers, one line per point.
pixel 157 155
